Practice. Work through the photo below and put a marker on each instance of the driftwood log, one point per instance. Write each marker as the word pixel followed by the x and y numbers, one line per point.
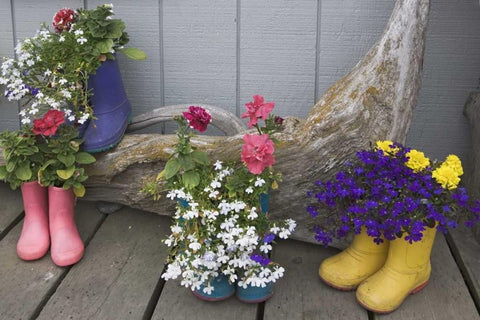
pixel 472 176
pixel 374 101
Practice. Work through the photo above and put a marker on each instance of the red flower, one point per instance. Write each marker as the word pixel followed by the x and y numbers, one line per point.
pixel 198 118
pixel 257 109
pixel 48 125
pixel 63 19
pixel 257 152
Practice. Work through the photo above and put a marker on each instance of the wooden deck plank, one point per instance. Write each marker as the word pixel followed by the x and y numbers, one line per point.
pixel 446 296
pixel 119 272
pixel 178 303
pixel 301 294
pixel 26 284
pixel 11 206
pixel 466 250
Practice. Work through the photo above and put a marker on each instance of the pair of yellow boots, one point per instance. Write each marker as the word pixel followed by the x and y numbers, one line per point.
pixel 384 275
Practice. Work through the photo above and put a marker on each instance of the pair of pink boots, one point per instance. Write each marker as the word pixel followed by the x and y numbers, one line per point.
pixel 49 218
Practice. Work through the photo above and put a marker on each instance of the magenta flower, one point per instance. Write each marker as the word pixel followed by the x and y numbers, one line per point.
pixel 257 109
pixel 198 118
pixel 257 152
pixel 63 20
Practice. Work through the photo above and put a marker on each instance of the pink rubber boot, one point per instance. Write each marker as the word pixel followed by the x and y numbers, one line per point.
pixel 67 246
pixel 34 240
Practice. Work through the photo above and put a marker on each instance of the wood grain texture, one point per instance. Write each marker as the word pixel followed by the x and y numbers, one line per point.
pixel 277 54
pixel 300 294
pixel 118 273
pixel 200 52
pixel 141 78
pixel 446 296
pixel 177 302
pixel 8 110
pixel 11 206
pixel 26 284
pixel 466 250
pixel 451 71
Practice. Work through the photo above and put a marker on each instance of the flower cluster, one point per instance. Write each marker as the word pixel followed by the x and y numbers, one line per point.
pixel 52 68
pixel 221 225
pixel 214 234
pixel 390 190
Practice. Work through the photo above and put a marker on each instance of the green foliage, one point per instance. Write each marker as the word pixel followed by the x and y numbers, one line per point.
pixel 22 157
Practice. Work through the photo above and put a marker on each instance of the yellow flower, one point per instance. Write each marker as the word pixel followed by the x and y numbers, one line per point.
pixel 417 160
pixel 385 146
pixel 446 176
pixel 454 162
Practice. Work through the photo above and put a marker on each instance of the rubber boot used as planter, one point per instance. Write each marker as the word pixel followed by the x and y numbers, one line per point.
pixel 67 246
pixel 223 289
pixel 347 269
pixel 111 109
pixel 35 239
pixel 405 272
pixel 252 294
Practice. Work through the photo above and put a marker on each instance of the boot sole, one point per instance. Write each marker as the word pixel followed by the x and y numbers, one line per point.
pixel 414 291
pixel 345 289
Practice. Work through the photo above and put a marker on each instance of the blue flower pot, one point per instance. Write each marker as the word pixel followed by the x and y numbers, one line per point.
pixel 254 294
pixel 110 106
pixel 264 197
pixel 222 289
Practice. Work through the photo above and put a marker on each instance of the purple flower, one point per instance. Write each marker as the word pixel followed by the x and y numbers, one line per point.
pixel 264 261
pixel 269 237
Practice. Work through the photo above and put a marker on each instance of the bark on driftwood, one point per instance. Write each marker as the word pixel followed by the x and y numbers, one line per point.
pixel 472 178
pixel 374 101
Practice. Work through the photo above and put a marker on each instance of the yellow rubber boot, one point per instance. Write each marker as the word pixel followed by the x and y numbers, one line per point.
pixel 346 270
pixel 405 272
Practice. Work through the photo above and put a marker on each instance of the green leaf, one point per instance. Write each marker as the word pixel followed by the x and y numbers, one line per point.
pixel 186 162
pixel 10 166
pixel 190 179
pixel 115 29
pixel 23 171
pixel 171 168
pixel 79 190
pixel 67 173
pixel 67 160
pixel 200 157
pixel 133 53
pixel 104 45
pixel 3 172
pixel 85 158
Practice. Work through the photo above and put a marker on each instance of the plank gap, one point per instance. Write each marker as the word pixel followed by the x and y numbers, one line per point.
pixel 62 276
pixel 12 225
pixel 260 311
pixel 454 251
pixel 157 292
pixel 371 315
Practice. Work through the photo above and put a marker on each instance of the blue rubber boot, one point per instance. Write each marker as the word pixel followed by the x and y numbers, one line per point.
pixel 110 106
pixel 222 289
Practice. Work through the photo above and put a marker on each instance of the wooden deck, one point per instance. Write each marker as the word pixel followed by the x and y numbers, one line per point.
pixel 119 277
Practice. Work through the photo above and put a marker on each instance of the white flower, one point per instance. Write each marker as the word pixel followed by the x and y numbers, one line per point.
pixel 259 182
pixel 33 111
pixel 66 94
pixel 249 190
pixel 213 194
pixel 291 224
pixel 47 73
pixel 265 247
pixel 30 62
pixel 195 246
pixel 215 184
pixel 218 165
pixel 81 40
pixel 71 118
pixel 26 121
pixel 171 195
pixel 78 32
pixel 176 229
pixel 62 81
pixel 61 39
pixel 253 214
pixel 208 289
pixel 284 233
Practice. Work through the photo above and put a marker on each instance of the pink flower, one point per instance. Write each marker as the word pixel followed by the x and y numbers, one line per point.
pixel 48 125
pixel 257 109
pixel 257 152
pixel 198 118
pixel 63 20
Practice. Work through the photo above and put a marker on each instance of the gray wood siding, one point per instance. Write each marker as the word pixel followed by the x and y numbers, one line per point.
pixel 221 52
